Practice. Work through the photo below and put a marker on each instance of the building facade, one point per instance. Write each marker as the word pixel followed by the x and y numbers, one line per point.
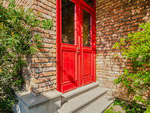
pixel 78 50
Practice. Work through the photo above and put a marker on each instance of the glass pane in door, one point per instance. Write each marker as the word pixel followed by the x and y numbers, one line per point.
pixel 67 22
pixel 86 28
pixel 89 2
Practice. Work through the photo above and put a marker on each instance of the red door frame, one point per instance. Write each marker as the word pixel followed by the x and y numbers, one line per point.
pixel 58 38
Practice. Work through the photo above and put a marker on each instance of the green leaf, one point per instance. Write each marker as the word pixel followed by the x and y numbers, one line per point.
pixel 116 45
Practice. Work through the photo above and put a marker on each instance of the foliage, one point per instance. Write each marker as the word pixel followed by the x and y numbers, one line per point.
pixel 111 110
pixel 17 40
pixel 130 107
pixel 136 48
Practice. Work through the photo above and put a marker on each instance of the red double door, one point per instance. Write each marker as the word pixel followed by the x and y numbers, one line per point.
pixel 75 44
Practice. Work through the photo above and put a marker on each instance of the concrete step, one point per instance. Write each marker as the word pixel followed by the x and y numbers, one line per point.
pixel 78 91
pixel 98 106
pixel 75 104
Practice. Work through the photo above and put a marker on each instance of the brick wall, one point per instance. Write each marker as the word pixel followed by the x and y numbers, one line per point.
pixel 115 19
pixel 40 74
pixel 43 64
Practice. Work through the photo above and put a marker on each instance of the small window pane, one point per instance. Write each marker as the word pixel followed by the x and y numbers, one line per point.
pixel 67 22
pixel 89 2
pixel 86 28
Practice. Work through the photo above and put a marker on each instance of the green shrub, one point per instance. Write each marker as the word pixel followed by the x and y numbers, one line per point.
pixel 111 110
pixel 130 107
pixel 136 48
pixel 17 41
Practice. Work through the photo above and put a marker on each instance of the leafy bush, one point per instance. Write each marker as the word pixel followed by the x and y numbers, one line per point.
pixel 17 41
pixel 136 48
pixel 111 110
pixel 130 107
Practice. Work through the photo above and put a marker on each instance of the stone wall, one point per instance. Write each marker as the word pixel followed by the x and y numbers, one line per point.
pixel 115 19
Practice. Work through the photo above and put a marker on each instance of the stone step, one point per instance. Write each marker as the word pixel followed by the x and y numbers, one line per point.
pixel 78 91
pixel 73 105
pixel 98 106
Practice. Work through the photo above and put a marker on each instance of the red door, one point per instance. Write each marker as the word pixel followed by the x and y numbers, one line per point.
pixel 75 44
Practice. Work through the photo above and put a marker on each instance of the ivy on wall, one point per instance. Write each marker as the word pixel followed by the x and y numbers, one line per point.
pixel 17 41
pixel 136 48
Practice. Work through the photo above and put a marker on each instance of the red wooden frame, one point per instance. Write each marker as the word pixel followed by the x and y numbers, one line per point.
pixel 80 4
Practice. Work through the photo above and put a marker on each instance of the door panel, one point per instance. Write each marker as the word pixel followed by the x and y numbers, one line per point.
pixel 87 64
pixel 69 66
pixel 69 57
pixel 88 76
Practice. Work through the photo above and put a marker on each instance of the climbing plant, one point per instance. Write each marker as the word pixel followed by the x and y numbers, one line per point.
pixel 17 41
pixel 136 48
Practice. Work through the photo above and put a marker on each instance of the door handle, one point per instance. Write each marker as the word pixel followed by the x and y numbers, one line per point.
pixel 78 50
